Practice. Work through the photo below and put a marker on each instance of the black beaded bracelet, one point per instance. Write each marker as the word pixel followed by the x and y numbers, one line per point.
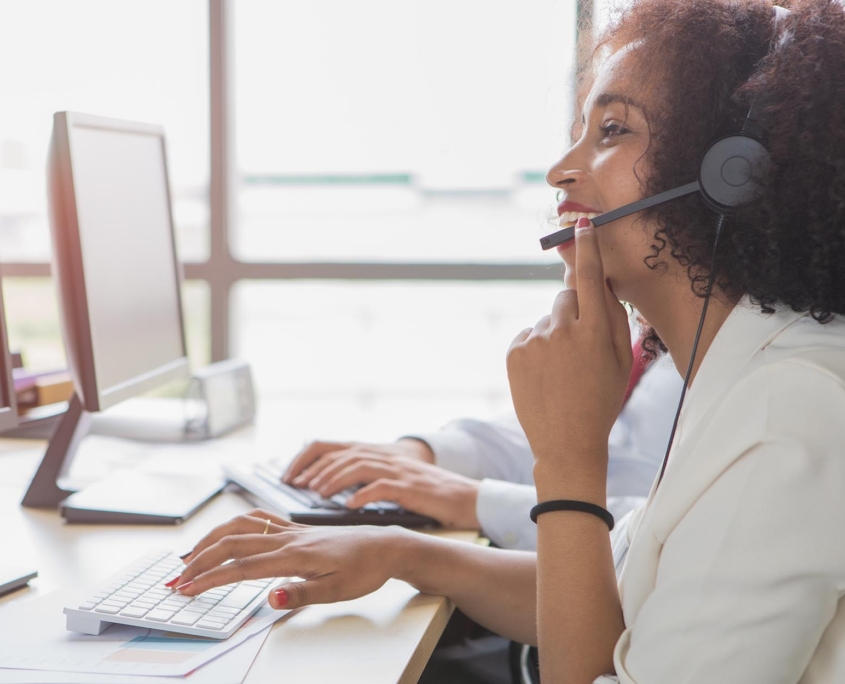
pixel 567 505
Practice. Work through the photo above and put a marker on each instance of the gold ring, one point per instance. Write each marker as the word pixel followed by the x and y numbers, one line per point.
pixel 266 526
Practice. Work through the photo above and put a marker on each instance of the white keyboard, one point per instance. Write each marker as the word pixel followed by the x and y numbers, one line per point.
pixel 137 596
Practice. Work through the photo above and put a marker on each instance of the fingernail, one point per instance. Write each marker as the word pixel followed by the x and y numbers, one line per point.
pixel 583 222
pixel 281 597
pixel 185 555
pixel 182 587
pixel 173 581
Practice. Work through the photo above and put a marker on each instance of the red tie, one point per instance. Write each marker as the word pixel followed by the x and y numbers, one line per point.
pixel 637 369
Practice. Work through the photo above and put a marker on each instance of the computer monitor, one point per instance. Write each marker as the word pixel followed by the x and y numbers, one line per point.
pixel 117 274
pixel 8 405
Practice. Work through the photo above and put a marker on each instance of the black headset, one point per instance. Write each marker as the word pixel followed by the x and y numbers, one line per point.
pixel 732 175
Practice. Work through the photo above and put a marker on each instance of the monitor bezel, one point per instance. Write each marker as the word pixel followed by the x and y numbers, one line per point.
pixel 69 267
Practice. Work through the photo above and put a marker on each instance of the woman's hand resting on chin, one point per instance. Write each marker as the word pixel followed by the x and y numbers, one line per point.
pixel 568 377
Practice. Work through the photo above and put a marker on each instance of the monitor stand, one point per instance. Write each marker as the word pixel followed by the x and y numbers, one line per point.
pixel 125 497
pixel 44 490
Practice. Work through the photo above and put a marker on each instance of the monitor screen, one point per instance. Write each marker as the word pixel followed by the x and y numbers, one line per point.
pixel 116 265
pixel 123 210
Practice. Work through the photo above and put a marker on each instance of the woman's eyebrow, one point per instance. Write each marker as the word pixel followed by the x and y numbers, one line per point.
pixel 604 99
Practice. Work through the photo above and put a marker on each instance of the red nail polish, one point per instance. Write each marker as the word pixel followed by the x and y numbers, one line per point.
pixel 583 222
pixel 281 597
pixel 182 587
pixel 173 581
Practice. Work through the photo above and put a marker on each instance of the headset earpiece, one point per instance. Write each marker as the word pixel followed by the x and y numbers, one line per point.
pixel 733 172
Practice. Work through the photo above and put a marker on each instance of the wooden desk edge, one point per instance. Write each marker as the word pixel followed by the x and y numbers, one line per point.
pixel 425 647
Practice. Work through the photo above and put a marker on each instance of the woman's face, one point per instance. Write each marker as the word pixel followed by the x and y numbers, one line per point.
pixel 599 173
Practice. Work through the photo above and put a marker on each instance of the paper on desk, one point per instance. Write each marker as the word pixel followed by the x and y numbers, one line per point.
pixel 230 668
pixel 33 637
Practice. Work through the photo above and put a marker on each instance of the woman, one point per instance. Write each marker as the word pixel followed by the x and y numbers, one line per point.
pixel 737 563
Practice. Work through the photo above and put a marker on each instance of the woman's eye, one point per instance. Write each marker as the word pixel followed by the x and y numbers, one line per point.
pixel 611 130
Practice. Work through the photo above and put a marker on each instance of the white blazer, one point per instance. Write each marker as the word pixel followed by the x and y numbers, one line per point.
pixel 736 567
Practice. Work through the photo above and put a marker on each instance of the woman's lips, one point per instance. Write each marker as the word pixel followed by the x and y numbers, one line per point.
pixel 569 205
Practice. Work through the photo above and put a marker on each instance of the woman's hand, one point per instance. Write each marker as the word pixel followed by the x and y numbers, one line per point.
pixel 335 563
pixel 568 374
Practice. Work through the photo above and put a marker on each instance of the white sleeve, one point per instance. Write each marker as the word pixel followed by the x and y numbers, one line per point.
pixel 503 510
pixel 750 577
pixel 475 448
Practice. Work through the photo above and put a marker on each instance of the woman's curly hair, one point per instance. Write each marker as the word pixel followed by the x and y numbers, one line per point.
pixel 701 63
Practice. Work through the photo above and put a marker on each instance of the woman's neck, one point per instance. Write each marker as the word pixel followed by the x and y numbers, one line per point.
pixel 674 313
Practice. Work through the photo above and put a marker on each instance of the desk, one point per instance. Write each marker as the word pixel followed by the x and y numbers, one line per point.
pixel 387 636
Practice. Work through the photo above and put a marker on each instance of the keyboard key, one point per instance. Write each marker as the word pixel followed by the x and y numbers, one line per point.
pixel 261 584
pixel 135 612
pixel 87 606
pixel 160 615
pixel 207 624
pixel 240 598
pixel 108 610
pixel 197 608
pixel 157 594
pixel 125 595
pixel 142 604
pixel 179 598
pixel 186 618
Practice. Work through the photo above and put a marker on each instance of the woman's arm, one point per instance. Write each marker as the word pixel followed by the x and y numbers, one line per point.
pixel 568 376
pixel 495 587
pixel 579 615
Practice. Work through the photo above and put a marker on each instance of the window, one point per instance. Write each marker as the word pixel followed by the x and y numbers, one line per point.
pixel 413 135
pixel 145 62
pixel 372 244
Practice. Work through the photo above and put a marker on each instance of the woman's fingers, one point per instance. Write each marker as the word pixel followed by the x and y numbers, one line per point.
pixel 292 595
pixel 235 548
pixel 257 566
pixel 589 277
pixel 250 523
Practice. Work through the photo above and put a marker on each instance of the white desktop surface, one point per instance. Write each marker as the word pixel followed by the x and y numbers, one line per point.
pixel 387 636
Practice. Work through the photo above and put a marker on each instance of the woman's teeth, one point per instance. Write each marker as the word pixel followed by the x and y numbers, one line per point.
pixel 568 218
